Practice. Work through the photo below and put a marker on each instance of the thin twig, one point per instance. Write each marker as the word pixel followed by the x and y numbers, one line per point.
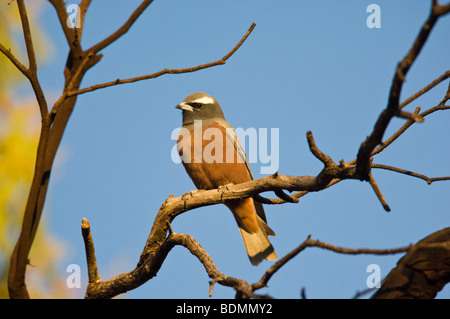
pixel 361 293
pixel 123 29
pixel 27 35
pixel 325 159
pixel 377 191
pixel 317 243
pixel 285 197
pixel 69 33
pixel 7 52
pixel 396 135
pixel 32 68
pixel 429 180
pixel 162 72
pixel 84 5
pixel 90 251
pixel 443 77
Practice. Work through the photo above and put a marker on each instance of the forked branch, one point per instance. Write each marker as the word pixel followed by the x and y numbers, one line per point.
pixel 393 106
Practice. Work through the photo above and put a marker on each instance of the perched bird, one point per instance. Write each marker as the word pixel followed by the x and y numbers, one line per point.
pixel 213 156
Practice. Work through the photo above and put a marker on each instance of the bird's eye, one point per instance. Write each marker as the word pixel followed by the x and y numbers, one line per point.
pixel 196 105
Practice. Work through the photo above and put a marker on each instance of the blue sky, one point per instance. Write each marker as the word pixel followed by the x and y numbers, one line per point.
pixel 308 65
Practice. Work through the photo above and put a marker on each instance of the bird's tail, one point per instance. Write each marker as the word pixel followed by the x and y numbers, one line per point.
pixel 257 244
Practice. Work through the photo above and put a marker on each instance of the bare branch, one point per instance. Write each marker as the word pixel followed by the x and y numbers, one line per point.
pixel 377 191
pixel 164 71
pixel 429 180
pixel 285 197
pixel 408 60
pixel 123 29
pixel 90 251
pixel 410 116
pixel 84 5
pixel 147 270
pixel 443 77
pixel 242 287
pixel 396 135
pixel 393 109
pixel 75 79
pixel 325 159
pixel 31 72
pixel 317 243
pixel 380 148
pixel 69 33
pixel 422 272
pixel 14 60
pixel 27 36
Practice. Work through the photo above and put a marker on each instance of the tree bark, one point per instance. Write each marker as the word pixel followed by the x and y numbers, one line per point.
pixel 422 272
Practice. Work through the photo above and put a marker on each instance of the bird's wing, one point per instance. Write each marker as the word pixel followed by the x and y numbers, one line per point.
pixel 232 136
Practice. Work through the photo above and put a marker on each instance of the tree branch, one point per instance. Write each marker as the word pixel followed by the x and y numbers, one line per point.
pixel 123 29
pixel 31 71
pixel 393 108
pixel 158 244
pixel 162 72
pixel 377 191
pixel 14 60
pixel 422 272
pixel 443 77
pixel 317 243
pixel 429 180
pixel 33 210
pixel 27 36
pixel 90 251
pixel 69 33
pixel 380 148
pixel 75 79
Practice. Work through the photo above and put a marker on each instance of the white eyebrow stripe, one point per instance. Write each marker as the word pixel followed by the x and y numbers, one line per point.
pixel 204 100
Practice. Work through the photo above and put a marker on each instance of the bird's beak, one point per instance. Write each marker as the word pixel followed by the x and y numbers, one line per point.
pixel 184 106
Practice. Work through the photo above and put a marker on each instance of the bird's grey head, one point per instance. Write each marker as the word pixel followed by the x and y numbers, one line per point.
pixel 200 106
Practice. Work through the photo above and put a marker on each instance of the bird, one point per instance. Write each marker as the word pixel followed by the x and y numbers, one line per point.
pixel 218 161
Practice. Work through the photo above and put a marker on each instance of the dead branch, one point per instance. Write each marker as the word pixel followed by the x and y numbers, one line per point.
pixel 377 191
pixel 393 108
pixel 158 244
pixel 14 60
pixel 441 106
pixel 98 289
pixel 317 243
pixel 19 258
pixel 422 272
pixel 429 180
pixel 162 72
pixel 416 95
pixel 123 29
pixel 90 251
